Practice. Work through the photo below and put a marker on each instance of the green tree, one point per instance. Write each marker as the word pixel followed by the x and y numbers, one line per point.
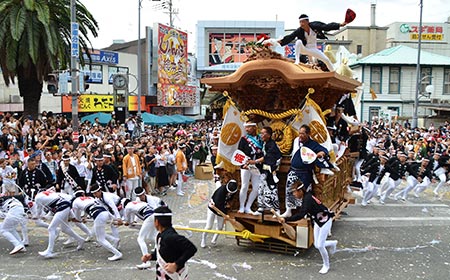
pixel 35 40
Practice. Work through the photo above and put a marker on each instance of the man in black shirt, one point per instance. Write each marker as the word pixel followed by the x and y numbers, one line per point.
pixel 172 250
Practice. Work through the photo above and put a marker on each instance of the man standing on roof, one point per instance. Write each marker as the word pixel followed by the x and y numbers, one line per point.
pixel 307 35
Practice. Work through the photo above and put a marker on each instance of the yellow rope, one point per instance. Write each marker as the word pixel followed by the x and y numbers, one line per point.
pixel 273 116
pixel 244 234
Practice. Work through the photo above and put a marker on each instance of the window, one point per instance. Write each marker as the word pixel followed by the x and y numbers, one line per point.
pixel 358 49
pixel 375 79
pixel 446 89
pixel 394 80
pixel 425 74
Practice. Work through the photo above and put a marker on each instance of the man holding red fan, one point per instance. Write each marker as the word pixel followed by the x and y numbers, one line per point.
pixel 307 35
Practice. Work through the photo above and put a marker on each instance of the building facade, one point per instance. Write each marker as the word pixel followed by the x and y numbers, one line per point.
pixel 391 76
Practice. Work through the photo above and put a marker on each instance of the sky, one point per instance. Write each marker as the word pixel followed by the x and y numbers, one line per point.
pixel 118 19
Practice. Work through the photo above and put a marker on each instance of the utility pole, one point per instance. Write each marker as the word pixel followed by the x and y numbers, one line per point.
pixel 419 80
pixel 168 6
pixel 139 61
pixel 170 13
pixel 73 63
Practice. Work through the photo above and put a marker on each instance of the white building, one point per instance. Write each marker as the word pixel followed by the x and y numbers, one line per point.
pixel 391 74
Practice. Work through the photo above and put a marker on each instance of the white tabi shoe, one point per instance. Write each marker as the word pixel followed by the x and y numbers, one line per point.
pixel 324 270
pixel 287 213
pixel 69 241
pixel 326 171
pixel 115 257
pixel 17 249
pixel 89 238
pixel 47 255
pixel 203 243
pixel 80 245
pixel 144 265
pixel 249 211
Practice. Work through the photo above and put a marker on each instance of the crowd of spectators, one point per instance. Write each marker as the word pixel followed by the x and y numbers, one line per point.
pixel 50 137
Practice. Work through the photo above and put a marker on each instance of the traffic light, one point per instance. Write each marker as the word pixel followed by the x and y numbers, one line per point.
pixel 86 85
pixel 83 83
pixel 52 83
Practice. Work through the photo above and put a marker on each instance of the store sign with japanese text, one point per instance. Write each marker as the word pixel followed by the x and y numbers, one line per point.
pixel 103 57
pixel 432 32
pixel 173 88
pixel 98 103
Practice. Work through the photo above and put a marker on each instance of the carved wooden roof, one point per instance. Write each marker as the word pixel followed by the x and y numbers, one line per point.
pixel 272 83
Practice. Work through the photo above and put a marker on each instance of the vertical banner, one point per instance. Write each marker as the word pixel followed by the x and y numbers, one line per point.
pixel 173 88
pixel 230 135
pixel 311 115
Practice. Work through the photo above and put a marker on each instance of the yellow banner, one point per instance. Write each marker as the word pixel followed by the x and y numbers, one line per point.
pixel 426 36
pixel 96 103
pixel 99 103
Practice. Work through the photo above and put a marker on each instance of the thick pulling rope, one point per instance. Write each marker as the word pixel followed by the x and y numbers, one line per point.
pixel 244 234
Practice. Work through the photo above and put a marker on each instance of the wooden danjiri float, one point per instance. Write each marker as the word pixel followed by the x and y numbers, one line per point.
pixel 271 90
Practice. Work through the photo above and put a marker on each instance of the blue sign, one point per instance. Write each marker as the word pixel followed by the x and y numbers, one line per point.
pixel 75 49
pixel 104 57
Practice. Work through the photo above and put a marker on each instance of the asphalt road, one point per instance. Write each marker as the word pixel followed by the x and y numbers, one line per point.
pixel 399 240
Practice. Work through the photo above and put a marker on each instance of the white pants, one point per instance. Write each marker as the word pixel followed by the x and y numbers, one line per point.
pixel 246 176
pixel 442 178
pixel 370 190
pixel 301 49
pixel 422 186
pixel 358 170
pixel 321 242
pixel 412 183
pixel 195 162
pixel 131 184
pixel 14 217
pixel 391 185
pixel 60 219
pixel 210 217
pixel 180 182
pixel 102 237
pixel 146 233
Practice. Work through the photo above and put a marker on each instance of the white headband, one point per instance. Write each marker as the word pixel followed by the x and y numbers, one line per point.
pixel 162 214
pixel 303 18
pixel 142 192
pixel 250 124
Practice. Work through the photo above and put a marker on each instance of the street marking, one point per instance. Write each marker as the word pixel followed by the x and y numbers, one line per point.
pixel 407 205
pixel 197 221
pixel 392 219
